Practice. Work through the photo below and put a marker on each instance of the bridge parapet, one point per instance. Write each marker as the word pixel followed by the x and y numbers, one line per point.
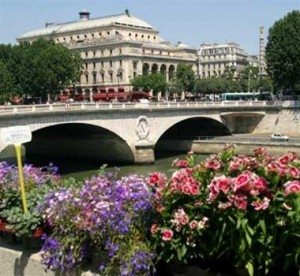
pixel 68 107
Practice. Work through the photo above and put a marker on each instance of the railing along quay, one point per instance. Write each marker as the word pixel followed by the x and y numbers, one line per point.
pixel 56 107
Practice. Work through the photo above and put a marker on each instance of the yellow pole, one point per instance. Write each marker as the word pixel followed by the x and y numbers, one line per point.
pixel 20 169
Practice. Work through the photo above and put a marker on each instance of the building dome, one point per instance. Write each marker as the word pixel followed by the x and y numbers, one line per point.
pixel 182 45
pixel 124 19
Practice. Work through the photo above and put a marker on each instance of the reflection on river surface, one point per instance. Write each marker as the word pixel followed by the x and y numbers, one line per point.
pixel 80 169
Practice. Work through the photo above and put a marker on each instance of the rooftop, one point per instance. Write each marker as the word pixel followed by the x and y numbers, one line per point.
pixel 86 23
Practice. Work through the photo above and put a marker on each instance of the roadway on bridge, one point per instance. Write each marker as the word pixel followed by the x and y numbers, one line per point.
pixel 254 138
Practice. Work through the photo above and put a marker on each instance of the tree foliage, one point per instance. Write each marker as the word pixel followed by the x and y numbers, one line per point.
pixel 6 83
pixel 185 78
pixel 155 82
pixel 40 68
pixel 283 51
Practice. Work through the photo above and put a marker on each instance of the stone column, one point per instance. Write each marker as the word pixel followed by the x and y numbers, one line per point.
pixel 144 154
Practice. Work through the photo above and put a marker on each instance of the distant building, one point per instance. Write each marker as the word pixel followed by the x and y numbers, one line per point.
pixel 116 49
pixel 253 60
pixel 215 59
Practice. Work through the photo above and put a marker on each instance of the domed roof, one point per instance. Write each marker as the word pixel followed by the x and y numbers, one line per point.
pixel 183 46
pixel 120 19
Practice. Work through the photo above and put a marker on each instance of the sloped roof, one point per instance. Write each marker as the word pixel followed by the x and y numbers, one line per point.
pixel 120 19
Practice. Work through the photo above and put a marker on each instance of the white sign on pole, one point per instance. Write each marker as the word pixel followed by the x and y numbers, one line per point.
pixel 16 135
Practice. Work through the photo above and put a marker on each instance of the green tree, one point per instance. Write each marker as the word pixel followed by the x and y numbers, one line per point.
pixel 6 83
pixel 229 73
pixel 185 77
pixel 41 68
pixel 283 51
pixel 155 82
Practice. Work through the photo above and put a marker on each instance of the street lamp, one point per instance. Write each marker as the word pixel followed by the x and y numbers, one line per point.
pixel 249 79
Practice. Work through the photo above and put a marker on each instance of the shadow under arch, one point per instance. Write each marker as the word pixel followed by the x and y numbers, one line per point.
pixel 83 145
pixel 180 136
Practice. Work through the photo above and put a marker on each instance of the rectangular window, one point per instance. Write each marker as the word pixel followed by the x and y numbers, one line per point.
pixel 94 78
pixel 111 77
pixel 86 66
pixel 94 65
pixel 102 63
pixel 102 77
pixel 134 74
pixel 134 65
pixel 86 78
pixel 110 63
pixel 120 63
pixel 121 76
pixel 120 51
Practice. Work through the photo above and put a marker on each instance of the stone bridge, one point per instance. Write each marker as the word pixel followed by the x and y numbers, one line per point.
pixel 132 132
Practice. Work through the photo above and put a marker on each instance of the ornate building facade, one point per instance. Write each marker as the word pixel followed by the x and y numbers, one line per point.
pixel 215 59
pixel 115 49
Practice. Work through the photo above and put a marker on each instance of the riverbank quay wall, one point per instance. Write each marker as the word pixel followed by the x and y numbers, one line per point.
pixel 278 148
pixel 141 126
pixel 18 259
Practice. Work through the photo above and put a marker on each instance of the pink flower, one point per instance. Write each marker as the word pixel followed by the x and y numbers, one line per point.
pixel 212 164
pixel 242 182
pixel 260 151
pixel 193 224
pixel 194 189
pixel 235 165
pixel 261 204
pixel 294 172
pixel 239 201
pixel 259 185
pixel 223 184
pixel 292 187
pixel 180 163
pixel 157 179
pixel 184 219
pixel 167 234
pixel 154 229
pixel 218 184
pixel 283 160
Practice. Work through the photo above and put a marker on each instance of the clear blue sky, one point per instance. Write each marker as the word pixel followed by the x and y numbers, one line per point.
pixel 190 21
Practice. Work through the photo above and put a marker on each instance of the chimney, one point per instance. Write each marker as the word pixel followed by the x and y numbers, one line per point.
pixel 47 24
pixel 84 15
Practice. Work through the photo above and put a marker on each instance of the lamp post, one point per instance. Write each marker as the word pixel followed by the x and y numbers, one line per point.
pixel 249 80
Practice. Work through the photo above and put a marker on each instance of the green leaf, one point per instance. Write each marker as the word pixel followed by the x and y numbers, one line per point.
pixel 262 225
pixel 250 269
pixel 181 251
pixel 248 238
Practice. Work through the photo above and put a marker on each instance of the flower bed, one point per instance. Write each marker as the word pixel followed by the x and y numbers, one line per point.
pixel 230 211
pixel 108 215
pixel 39 181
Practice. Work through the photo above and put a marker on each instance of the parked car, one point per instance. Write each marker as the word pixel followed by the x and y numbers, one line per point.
pixel 279 137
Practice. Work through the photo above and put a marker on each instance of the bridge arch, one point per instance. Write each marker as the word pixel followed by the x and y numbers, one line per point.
pixel 78 140
pixel 180 135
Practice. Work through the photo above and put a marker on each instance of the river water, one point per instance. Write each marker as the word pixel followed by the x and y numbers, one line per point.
pixel 81 169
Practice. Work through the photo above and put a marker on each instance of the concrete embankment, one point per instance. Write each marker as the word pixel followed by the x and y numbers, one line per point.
pixel 215 146
pixel 244 147
pixel 17 260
